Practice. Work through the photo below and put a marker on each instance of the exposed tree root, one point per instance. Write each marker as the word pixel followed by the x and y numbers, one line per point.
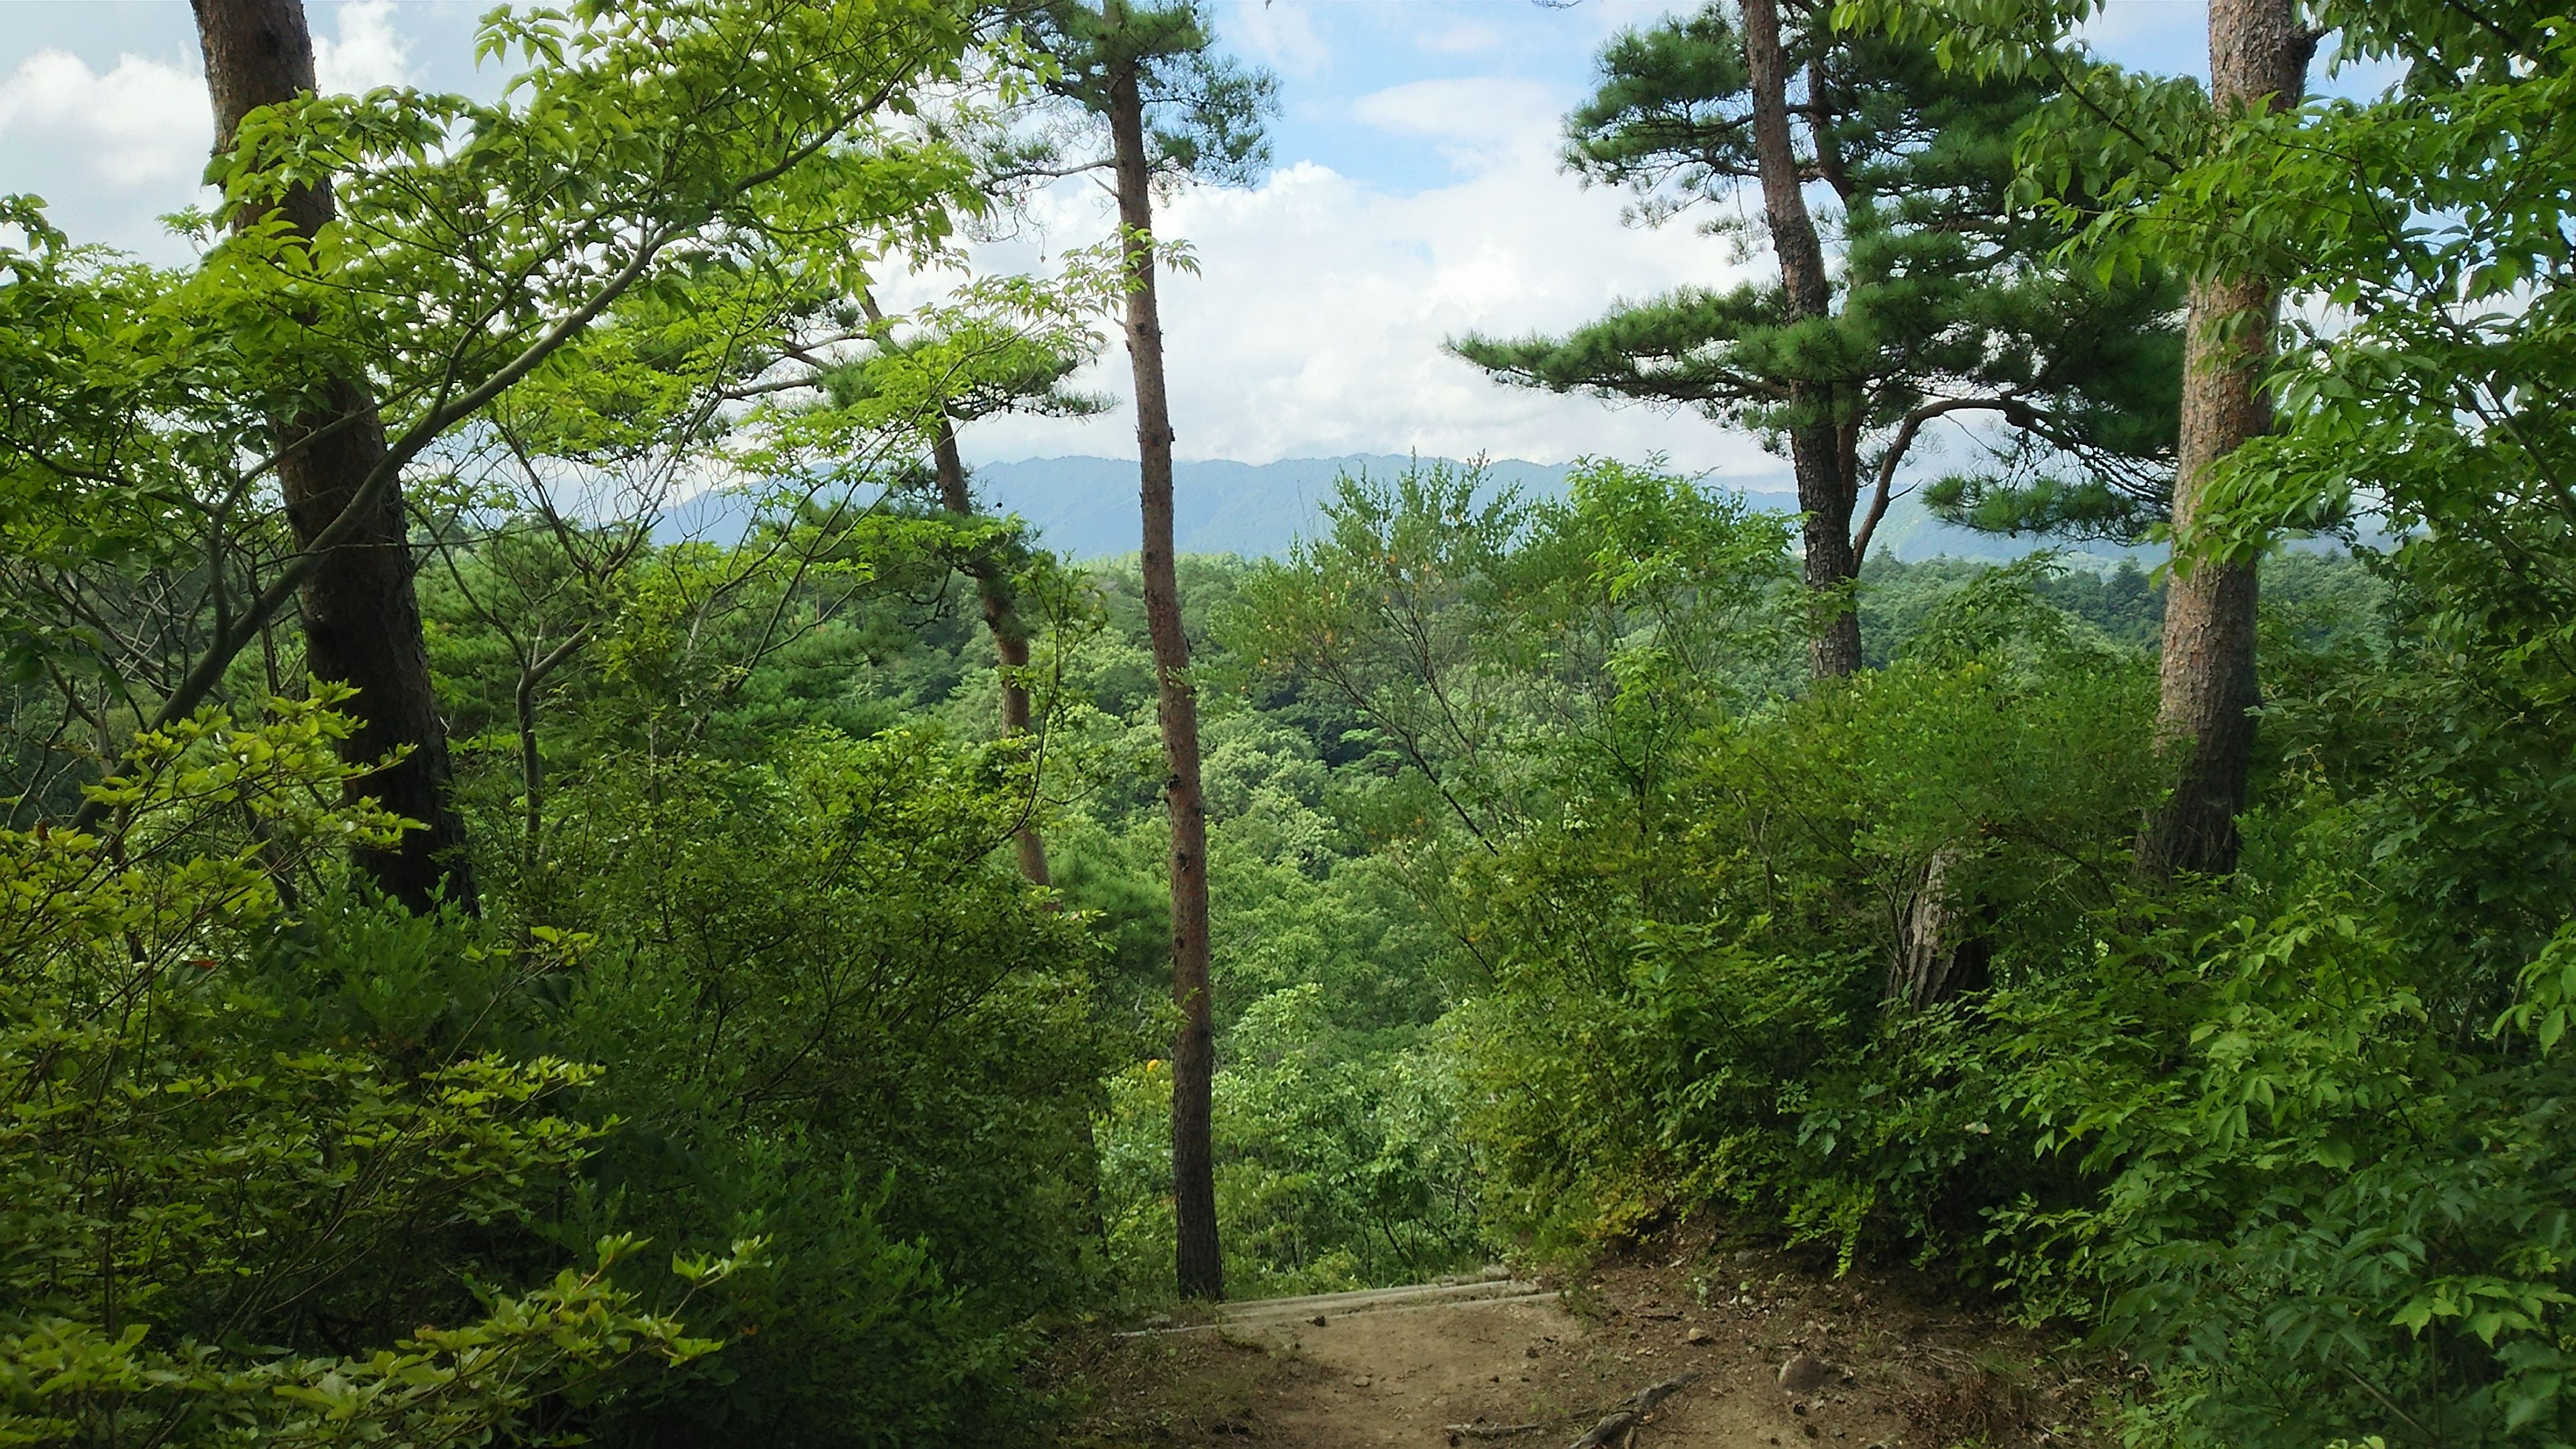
pixel 1616 1428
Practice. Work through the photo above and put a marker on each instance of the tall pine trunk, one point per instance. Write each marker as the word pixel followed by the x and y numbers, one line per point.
pixel 361 614
pixel 1201 1271
pixel 2258 56
pixel 1002 619
pixel 1827 470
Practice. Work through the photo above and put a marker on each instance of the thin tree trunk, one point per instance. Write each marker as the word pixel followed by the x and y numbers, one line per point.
pixel 1002 618
pixel 1001 611
pixel 1200 1269
pixel 1828 477
pixel 532 763
pixel 361 613
pixel 532 783
pixel 272 851
pixel 2258 56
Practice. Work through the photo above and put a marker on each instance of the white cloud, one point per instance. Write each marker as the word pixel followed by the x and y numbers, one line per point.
pixel 1280 35
pixel 1478 122
pixel 145 124
pixel 367 53
pixel 141 124
pixel 1316 324
pixel 1492 110
pixel 111 150
pixel 1460 37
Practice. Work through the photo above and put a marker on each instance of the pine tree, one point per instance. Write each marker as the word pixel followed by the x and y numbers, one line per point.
pixel 1948 300
pixel 360 609
pixel 1171 107
pixel 2258 60
pixel 1037 386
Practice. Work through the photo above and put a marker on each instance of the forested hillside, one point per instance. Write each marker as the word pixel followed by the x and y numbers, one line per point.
pixel 483 964
pixel 1077 507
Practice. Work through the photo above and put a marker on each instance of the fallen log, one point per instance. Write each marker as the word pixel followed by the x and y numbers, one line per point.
pixel 1489 1431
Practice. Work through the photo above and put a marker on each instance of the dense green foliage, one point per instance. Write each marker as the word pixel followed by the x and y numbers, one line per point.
pixel 2289 1137
pixel 248 1149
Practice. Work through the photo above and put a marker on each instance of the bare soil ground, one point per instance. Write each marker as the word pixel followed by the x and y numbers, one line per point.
pixel 1535 1364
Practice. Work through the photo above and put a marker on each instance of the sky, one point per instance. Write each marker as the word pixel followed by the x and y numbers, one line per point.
pixel 1416 195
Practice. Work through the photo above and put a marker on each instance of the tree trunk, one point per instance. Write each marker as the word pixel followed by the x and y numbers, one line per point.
pixel 1002 618
pixel 1201 1271
pixel 2258 56
pixel 1943 948
pixel 1011 643
pixel 361 613
pixel 532 783
pixel 1827 471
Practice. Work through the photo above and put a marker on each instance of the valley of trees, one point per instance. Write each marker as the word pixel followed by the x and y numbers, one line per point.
pixel 478 969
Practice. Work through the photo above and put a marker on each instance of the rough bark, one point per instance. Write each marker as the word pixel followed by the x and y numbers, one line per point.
pixel 1827 471
pixel 2258 56
pixel 1943 949
pixel 1201 1271
pixel 1002 620
pixel 360 610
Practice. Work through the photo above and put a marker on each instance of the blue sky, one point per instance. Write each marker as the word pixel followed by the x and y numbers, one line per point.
pixel 1331 54
pixel 1416 196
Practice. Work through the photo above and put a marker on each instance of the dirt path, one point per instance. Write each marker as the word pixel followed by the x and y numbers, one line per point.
pixel 1526 1364
pixel 1406 1370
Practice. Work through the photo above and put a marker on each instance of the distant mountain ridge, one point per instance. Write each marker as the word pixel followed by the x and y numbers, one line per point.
pixel 1085 507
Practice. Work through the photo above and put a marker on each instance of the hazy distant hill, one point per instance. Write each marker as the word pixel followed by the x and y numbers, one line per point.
pixel 1086 507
